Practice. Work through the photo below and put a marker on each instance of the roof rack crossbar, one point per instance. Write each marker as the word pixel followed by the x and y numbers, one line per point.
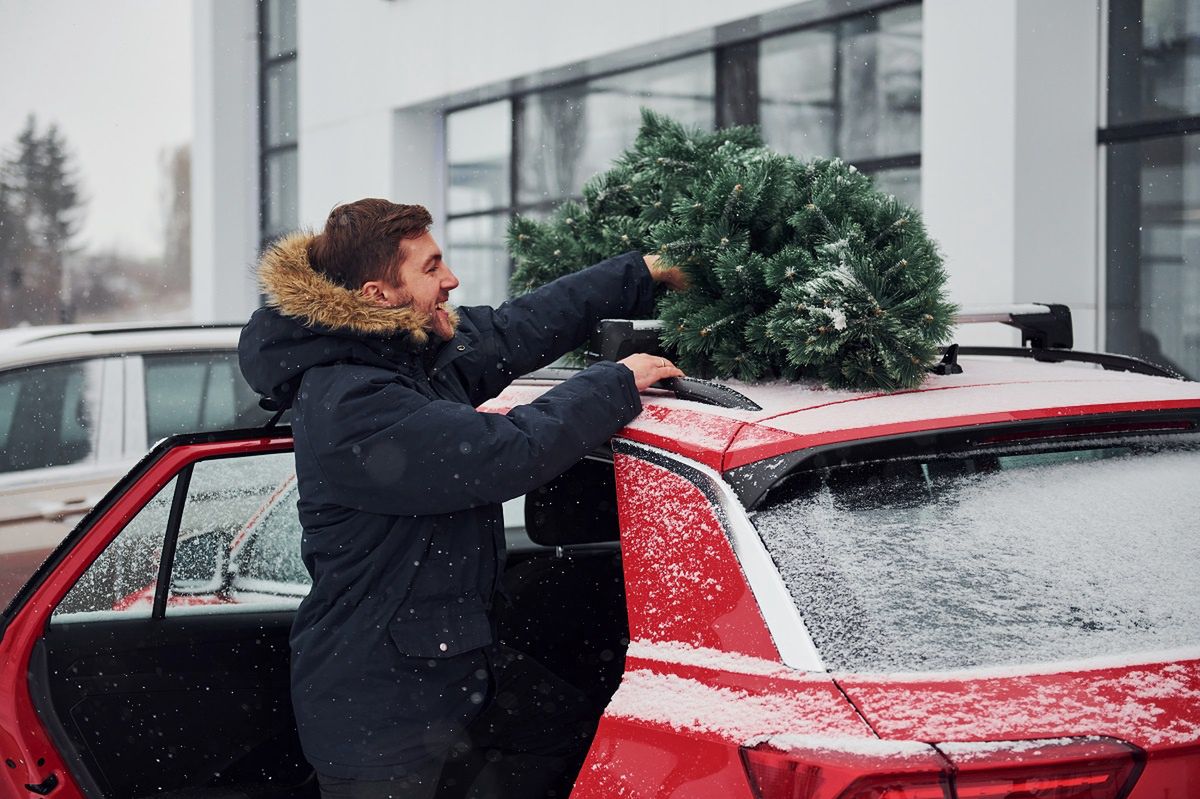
pixel 615 339
pixel 1042 325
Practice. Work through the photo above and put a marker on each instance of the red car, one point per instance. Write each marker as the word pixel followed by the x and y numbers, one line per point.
pixel 987 588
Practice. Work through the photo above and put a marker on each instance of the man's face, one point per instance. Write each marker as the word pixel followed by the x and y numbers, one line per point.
pixel 425 283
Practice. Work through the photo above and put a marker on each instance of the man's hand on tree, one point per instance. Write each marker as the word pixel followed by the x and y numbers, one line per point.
pixel 649 369
pixel 670 276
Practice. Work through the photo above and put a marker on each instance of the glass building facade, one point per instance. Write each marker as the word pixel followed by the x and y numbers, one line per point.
pixel 1151 147
pixel 849 86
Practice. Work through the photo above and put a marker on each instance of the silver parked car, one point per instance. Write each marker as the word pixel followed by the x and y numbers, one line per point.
pixel 79 404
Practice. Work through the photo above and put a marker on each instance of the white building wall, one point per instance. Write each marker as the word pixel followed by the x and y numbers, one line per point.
pixel 1010 110
pixel 1058 209
pixel 1009 183
pixel 224 160
pixel 361 63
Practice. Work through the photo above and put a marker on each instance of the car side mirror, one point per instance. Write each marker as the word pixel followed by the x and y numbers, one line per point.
pixel 217 584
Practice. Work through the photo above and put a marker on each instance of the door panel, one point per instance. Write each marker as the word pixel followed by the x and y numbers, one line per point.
pixel 160 705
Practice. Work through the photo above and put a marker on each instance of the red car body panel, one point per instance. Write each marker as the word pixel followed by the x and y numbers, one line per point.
pixel 1148 705
pixel 1154 706
pixel 682 580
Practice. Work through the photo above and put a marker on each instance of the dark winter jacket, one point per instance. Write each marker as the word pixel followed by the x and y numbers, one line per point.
pixel 400 481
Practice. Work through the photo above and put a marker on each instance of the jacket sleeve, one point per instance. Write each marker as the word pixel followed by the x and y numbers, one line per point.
pixel 387 449
pixel 533 330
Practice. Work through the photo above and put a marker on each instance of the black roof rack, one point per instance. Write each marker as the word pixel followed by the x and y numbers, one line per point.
pixel 1042 325
pixel 1047 336
pixel 1107 360
pixel 615 339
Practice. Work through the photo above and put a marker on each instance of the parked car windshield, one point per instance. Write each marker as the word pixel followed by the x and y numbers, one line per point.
pixel 1020 556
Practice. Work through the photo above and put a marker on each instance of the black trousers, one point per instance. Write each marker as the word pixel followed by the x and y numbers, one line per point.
pixel 528 742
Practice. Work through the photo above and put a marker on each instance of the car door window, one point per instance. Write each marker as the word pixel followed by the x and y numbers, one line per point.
pixel 267 559
pixel 239 540
pixel 48 415
pixel 197 392
pixel 9 391
pixel 227 505
pixel 121 581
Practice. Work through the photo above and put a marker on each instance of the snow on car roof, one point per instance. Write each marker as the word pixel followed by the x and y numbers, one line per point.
pixel 989 390
pixel 797 415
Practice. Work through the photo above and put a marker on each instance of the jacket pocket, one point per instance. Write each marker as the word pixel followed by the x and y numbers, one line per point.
pixel 442 633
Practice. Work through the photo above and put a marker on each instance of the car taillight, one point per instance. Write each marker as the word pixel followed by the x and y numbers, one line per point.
pixel 1086 768
pixel 914 773
pixel 1090 768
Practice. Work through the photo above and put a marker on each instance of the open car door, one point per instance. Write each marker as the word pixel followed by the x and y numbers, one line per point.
pixel 149 654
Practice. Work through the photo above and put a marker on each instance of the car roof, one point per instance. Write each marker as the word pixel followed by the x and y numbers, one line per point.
pixel 30 345
pixel 802 415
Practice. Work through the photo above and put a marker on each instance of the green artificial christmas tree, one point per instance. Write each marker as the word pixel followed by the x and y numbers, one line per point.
pixel 797 269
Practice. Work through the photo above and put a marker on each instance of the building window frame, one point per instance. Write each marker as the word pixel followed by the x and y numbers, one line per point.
pixel 268 152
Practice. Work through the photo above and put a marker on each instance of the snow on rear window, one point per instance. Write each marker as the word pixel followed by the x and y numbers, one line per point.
pixel 993 559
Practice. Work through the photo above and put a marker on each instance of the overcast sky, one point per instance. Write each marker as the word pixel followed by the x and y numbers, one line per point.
pixel 116 76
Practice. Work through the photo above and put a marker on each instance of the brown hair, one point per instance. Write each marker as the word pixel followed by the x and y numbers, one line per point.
pixel 364 240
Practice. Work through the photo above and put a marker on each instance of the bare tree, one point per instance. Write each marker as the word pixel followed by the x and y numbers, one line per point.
pixel 176 198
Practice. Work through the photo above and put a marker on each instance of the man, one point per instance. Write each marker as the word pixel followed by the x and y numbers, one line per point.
pixel 400 478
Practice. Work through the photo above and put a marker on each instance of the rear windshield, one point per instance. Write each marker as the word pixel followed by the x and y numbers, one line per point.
pixel 1010 557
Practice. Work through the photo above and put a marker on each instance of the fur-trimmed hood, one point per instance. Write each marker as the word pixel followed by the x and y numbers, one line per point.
pixel 309 320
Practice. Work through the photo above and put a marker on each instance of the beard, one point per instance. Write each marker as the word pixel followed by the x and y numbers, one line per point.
pixel 439 319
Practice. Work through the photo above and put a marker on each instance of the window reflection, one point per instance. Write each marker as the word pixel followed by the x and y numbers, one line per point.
pixel 905 184
pixel 279 118
pixel 280 27
pixel 282 193
pixel 280 109
pixel 479 152
pixel 566 135
pixel 880 64
pixel 797 93
pixel 475 251
pixel 1154 60
pixel 1154 250
pixel 48 415
pixel 196 392
pixel 851 89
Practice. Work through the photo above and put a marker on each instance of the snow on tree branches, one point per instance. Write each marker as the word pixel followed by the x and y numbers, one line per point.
pixel 797 269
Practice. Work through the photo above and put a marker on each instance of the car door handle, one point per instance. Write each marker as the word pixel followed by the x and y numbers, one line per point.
pixel 57 511
pixel 45 786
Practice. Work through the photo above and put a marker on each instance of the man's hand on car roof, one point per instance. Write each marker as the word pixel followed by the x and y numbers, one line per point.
pixel 649 369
